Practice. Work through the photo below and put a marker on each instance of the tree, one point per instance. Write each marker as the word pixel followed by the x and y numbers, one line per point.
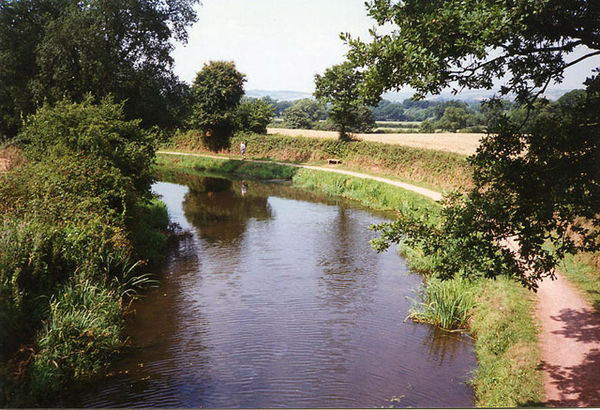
pixel 254 115
pixel 303 113
pixel 51 49
pixel 388 111
pixel 471 43
pixel 216 94
pixel 339 86
pixel 540 184
pixel 427 126
pixel 453 119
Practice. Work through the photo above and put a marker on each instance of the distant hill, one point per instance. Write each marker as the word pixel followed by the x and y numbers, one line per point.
pixel 280 95
pixel 467 95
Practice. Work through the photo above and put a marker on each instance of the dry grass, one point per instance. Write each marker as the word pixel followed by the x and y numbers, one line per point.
pixel 465 144
pixel 10 157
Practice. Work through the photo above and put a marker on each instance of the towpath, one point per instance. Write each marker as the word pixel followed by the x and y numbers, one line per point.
pixel 570 326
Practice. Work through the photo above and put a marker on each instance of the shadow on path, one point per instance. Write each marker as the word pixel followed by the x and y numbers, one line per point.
pixel 579 384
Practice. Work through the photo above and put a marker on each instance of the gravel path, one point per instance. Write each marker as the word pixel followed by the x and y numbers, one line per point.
pixel 570 327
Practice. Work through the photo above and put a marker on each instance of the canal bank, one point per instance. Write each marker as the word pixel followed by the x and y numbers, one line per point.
pixel 505 333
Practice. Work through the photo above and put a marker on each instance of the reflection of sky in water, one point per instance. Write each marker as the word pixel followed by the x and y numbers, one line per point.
pixel 172 195
pixel 278 301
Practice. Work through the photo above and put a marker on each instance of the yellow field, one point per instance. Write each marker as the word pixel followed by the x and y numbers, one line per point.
pixel 465 144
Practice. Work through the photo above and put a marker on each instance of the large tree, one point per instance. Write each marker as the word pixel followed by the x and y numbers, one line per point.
pixel 542 185
pixel 216 94
pixel 51 49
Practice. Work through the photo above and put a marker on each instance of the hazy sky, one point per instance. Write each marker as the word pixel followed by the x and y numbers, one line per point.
pixel 282 44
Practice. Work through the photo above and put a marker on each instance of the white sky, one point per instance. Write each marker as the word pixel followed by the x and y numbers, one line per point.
pixel 282 44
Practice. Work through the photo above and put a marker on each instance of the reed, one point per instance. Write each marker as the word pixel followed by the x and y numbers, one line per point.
pixel 445 303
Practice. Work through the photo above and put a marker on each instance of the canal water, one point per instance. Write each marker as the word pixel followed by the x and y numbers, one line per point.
pixel 275 299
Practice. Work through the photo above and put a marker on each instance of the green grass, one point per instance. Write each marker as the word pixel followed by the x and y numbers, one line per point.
pixel 506 334
pixel 584 273
pixel 373 194
pixel 227 166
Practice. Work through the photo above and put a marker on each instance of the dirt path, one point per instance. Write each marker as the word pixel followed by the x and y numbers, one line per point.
pixel 465 144
pixel 569 345
pixel 570 327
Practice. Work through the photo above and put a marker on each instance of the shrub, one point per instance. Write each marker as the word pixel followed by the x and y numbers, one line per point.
pixel 81 333
pixel 91 130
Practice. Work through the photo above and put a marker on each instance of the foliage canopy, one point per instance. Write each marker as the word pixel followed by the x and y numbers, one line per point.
pixel 339 86
pixel 51 49
pixel 536 178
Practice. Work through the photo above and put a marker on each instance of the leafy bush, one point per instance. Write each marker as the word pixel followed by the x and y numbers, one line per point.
pixel 91 130
pixel 81 333
pixel 73 221
pixel 303 114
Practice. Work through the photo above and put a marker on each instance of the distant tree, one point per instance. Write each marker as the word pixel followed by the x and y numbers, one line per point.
pixel 388 111
pixel 216 94
pixel 303 113
pixel 427 126
pixel 50 49
pixel 254 115
pixel 453 119
pixel 281 106
pixel 338 86
pixel 493 110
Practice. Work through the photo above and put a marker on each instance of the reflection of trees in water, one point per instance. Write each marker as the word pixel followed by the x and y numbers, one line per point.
pixel 218 210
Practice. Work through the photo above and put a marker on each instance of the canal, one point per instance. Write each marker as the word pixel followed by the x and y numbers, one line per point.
pixel 275 299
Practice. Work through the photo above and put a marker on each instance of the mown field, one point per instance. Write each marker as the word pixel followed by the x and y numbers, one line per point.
pixel 464 144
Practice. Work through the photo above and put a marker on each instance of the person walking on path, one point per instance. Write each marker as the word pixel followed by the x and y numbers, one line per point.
pixel 243 149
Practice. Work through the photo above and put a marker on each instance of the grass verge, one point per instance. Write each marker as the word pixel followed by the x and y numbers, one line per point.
pixel 505 333
pixel 583 271
pixel 423 167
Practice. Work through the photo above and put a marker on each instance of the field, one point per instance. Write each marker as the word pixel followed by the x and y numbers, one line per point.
pixel 465 144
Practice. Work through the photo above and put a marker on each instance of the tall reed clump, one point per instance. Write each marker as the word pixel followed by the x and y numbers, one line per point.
pixel 445 303
pixel 73 220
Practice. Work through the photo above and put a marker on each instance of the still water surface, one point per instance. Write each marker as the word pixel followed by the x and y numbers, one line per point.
pixel 277 300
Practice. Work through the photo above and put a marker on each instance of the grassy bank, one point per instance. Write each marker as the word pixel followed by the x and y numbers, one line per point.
pixel 374 194
pixel 498 312
pixel 583 270
pixel 432 169
pixel 78 232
